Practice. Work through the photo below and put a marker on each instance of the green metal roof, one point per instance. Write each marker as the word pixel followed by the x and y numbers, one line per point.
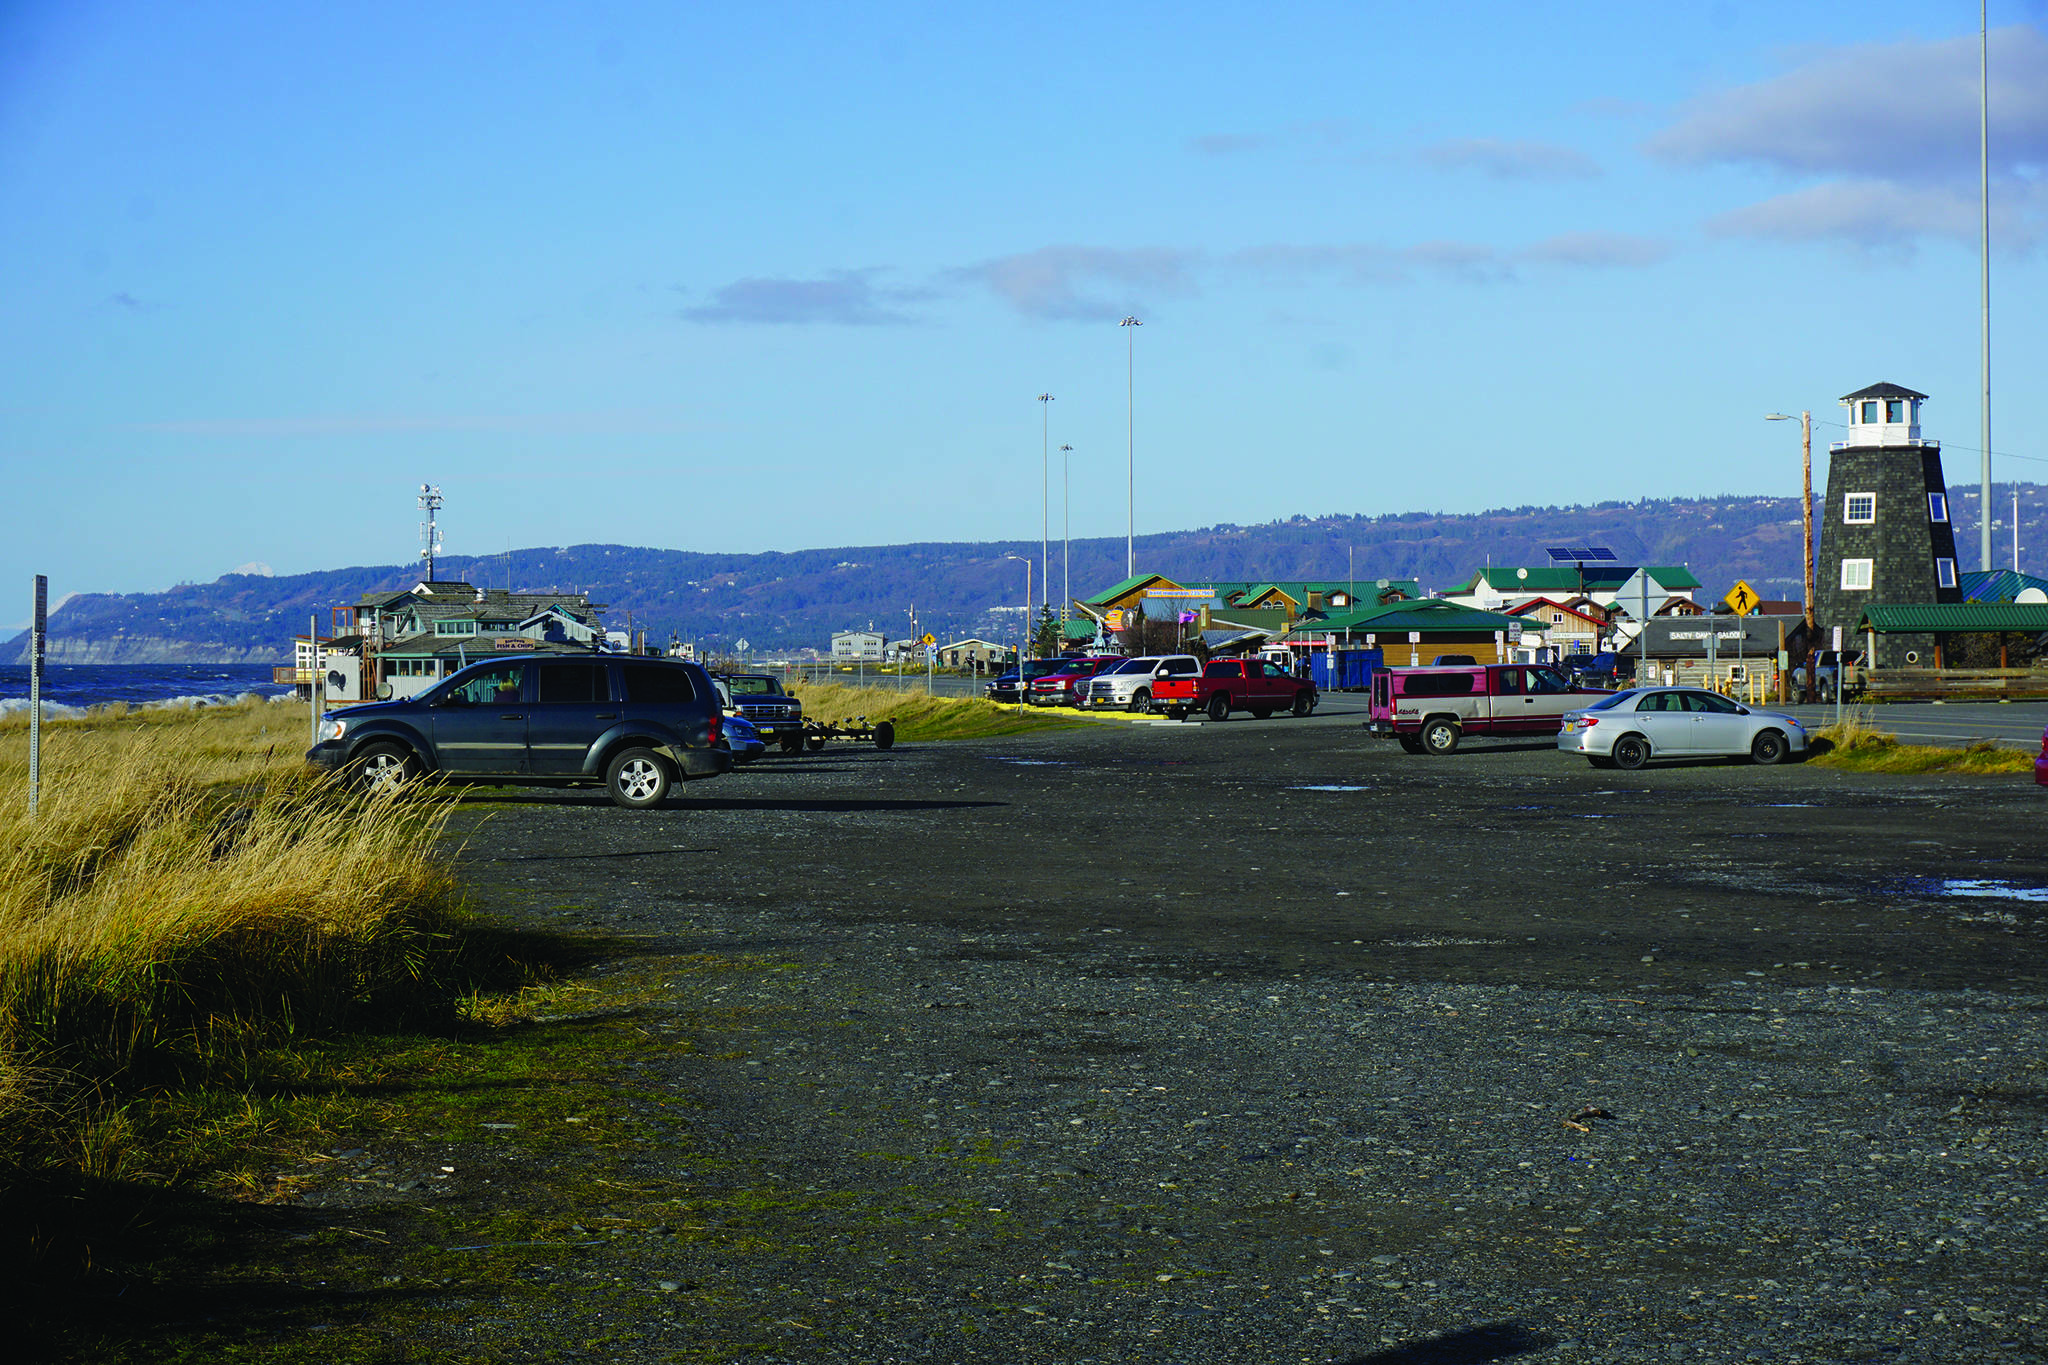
pixel 1108 595
pixel 1427 615
pixel 1953 618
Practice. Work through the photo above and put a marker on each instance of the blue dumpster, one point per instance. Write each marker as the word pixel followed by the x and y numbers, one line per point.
pixel 1344 670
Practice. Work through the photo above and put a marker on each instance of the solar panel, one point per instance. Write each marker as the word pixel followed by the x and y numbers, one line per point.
pixel 1590 554
pixel 1602 553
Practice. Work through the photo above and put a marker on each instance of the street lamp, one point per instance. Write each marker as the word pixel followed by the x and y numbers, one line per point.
pixel 1044 497
pixel 1065 533
pixel 1131 446
pixel 1806 519
pixel 1024 632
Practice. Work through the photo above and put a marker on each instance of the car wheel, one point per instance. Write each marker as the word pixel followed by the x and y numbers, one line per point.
pixel 1261 712
pixel 1826 691
pixel 814 742
pixel 1141 700
pixel 1440 737
pixel 885 735
pixel 637 779
pixel 1631 751
pixel 793 743
pixel 1767 748
pixel 1411 744
pixel 385 768
pixel 1219 706
pixel 1303 704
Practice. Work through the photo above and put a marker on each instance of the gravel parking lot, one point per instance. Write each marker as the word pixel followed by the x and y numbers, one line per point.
pixel 1264 1041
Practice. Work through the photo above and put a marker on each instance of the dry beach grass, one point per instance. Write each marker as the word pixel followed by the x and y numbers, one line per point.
pixel 187 895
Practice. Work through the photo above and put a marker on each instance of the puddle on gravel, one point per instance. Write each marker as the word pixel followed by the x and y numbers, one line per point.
pixel 1975 887
pixel 1032 762
pixel 1329 787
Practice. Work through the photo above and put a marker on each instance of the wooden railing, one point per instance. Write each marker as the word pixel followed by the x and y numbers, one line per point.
pixel 1945 683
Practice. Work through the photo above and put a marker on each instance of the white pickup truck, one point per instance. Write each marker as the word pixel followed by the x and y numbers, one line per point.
pixel 1128 686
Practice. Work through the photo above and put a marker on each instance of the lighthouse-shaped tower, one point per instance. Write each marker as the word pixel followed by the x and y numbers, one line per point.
pixel 1885 532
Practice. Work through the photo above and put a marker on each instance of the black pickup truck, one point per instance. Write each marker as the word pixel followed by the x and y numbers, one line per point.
pixel 777 715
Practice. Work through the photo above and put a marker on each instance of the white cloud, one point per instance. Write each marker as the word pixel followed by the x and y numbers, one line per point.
pixel 1895 111
pixel 1067 282
pixel 1510 160
pixel 1885 214
pixel 846 298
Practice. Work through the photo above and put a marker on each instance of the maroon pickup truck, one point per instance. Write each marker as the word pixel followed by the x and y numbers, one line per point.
pixel 1227 685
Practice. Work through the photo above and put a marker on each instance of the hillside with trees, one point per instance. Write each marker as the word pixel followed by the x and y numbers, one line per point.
pixel 790 601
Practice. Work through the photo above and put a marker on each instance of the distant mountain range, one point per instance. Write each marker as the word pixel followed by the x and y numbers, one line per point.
pixel 778 601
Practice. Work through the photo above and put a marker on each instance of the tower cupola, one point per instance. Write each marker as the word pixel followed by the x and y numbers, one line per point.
pixel 1883 415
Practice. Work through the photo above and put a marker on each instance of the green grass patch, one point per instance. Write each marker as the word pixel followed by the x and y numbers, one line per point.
pixel 1856 745
pixel 919 717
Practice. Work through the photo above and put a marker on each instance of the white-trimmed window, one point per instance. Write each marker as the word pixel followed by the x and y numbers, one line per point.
pixel 454 627
pixel 1859 509
pixel 1937 507
pixel 1856 575
pixel 1945 572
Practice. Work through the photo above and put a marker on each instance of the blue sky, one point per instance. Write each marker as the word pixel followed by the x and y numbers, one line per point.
pixel 768 277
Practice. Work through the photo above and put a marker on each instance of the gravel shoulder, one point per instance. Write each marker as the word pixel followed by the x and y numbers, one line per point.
pixel 1264 1041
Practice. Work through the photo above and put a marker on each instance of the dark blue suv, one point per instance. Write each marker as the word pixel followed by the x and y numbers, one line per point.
pixel 637 725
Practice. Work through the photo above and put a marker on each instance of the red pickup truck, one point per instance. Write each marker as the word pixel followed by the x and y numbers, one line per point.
pixel 1227 685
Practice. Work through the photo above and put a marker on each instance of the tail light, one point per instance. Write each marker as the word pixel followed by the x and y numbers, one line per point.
pixel 717 731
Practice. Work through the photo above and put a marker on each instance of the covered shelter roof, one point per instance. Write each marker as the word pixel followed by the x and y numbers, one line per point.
pixel 1954 618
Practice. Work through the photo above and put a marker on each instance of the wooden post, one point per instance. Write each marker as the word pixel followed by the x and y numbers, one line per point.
pixel 1781 655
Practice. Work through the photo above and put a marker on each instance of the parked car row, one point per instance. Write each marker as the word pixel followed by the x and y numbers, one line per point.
pixel 1177 685
pixel 1432 710
pixel 636 726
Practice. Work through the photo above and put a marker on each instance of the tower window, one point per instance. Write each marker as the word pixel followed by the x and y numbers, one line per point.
pixel 1855 575
pixel 1945 572
pixel 1894 410
pixel 1859 509
pixel 1869 410
pixel 1937 507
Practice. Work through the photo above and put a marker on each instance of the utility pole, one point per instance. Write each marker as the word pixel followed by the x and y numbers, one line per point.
pixel 1131 446
pixel 1065 531
pixel 1984 191
pixel 1806 522
pixel 1044 497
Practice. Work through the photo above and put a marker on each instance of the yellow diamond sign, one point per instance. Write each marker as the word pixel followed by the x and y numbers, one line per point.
pixel 1743 599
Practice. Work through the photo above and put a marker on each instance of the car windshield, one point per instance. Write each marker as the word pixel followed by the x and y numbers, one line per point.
pixel 1131 666
pixel 754 687
pixel 1609 703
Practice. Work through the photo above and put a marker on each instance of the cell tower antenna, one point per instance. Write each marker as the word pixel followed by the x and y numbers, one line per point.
pixel 430 534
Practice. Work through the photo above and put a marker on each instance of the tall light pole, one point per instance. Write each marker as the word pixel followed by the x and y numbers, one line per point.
pixel 1044 498
pixel 1131 446
pixel 1984 192
pixel 1806 514
pixel 1024 635
pixel 1065 533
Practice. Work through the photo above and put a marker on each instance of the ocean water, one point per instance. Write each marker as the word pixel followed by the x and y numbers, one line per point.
pixel 70 688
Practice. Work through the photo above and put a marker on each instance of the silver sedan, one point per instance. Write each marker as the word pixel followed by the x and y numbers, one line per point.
pixel 1630 728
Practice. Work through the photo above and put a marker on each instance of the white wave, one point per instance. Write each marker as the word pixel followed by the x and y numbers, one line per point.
pixel 56 710
pixel 52 710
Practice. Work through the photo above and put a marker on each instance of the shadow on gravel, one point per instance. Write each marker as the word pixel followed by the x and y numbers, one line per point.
pixel 828 807
pixel 1473 1346
pixel 711 804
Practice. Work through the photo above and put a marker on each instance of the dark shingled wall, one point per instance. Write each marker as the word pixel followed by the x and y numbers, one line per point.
pixel 1902 544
